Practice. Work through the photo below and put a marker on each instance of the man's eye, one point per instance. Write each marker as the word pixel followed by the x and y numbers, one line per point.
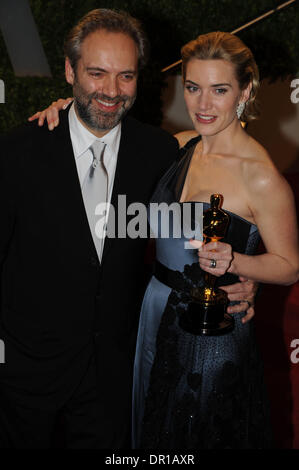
pixel 95 74
pixel 127 77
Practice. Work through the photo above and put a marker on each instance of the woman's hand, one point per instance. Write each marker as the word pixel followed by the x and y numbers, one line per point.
pixel 51 113
pixel 217 254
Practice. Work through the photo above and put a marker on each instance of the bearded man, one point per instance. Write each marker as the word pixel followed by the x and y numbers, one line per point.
pixel 71 295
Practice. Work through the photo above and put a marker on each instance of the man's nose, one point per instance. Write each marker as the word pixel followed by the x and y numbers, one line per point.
pixel 111 87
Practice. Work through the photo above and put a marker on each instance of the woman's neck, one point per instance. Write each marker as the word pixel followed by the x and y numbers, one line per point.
pixel 225 141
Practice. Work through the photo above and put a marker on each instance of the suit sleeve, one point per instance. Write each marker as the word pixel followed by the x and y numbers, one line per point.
pixel 7 205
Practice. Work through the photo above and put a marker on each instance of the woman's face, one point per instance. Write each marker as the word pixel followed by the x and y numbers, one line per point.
pixel 212 94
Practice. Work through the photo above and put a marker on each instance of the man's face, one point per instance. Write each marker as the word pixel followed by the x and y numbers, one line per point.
pixel 105 80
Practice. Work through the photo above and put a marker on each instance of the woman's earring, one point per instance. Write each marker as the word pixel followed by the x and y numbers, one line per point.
pixel 240 109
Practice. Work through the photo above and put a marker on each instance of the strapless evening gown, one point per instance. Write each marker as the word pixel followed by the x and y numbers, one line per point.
pixel 195 392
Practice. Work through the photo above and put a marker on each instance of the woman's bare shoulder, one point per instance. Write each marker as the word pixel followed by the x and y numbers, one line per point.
pixel 184 136
pixel 259 171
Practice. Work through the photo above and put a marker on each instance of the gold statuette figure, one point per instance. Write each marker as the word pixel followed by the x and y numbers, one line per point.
pixel 206 313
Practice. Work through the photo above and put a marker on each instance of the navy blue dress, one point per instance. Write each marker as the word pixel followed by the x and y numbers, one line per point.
pixel 195 392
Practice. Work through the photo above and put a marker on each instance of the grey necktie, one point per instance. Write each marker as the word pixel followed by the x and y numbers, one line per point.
pixel 95 191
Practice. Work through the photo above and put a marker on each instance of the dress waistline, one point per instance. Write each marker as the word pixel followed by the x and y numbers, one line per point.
pixel 169 277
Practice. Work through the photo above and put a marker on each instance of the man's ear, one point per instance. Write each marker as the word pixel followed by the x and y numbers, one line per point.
pixel 69 72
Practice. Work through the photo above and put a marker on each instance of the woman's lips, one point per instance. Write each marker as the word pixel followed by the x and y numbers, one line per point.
pixel 205 118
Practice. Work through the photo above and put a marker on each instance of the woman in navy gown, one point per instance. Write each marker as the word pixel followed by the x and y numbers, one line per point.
pixel 207 392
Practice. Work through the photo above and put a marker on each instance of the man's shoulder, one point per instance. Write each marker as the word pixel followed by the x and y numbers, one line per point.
pixel 25 133
pixel 20 132
pixel 29 137
pixel 22 146
pixel 16 143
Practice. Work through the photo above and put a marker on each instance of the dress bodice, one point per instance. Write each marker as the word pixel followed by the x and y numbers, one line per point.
pixel 172 250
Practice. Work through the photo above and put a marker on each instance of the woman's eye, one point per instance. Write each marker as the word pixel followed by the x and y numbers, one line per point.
pixel 191 89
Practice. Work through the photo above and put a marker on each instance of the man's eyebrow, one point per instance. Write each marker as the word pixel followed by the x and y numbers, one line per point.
pixel 214 85
pixel 133 72
pixel 99 69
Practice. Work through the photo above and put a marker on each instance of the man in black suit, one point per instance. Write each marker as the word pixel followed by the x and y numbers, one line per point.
pixel 69 308
pixel 66 313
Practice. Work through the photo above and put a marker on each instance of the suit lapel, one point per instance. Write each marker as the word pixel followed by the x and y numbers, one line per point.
pixel 68 186
pixel 125 176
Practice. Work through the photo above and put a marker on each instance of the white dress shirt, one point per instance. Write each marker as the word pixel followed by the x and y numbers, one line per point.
pixel 82 139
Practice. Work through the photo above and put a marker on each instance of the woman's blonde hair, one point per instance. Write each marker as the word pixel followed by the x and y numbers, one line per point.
pixel 226 46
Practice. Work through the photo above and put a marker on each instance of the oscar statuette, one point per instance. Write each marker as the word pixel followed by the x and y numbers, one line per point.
pixel 206 312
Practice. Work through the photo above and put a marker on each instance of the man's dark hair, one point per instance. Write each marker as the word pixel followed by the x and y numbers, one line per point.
pixel 111 21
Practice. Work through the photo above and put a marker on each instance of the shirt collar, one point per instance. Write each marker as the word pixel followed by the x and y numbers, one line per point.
pixel 82 138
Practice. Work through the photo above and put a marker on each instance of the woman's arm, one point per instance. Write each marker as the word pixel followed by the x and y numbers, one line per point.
pixel 274 211
pixel 51 113
pixel 272 204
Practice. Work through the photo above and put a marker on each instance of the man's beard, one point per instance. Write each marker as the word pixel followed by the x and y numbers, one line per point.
pixel 95 118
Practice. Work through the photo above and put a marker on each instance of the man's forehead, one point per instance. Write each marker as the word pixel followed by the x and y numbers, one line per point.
pixel 109 49
pixel 103 39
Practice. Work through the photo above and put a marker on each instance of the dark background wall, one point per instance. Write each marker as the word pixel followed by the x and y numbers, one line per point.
pixel 169 24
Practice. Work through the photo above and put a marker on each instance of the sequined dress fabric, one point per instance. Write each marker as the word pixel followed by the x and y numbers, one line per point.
pixel 195 392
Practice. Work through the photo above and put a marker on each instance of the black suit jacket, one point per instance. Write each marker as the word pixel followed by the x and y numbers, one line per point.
pixel 58 304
